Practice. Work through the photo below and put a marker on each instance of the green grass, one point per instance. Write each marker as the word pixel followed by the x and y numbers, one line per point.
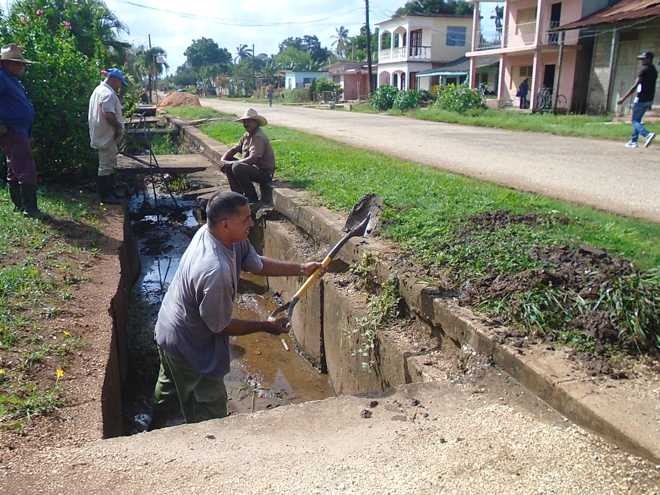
pixel 192 113
pixel 40 264
pixel 600 127
pixel 426 209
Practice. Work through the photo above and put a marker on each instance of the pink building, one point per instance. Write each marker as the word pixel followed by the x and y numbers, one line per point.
pixel 353 78
pixel 520 33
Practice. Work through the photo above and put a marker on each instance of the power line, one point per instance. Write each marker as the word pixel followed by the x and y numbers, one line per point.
pixel 226 22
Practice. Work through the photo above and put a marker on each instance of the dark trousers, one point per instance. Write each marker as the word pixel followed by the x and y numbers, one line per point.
pixel 20 163
pixel 242 175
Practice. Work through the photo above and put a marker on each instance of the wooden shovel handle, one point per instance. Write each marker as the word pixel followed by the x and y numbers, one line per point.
pixel 311 280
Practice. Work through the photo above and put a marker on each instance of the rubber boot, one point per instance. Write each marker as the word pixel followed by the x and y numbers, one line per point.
pixel 15 195
pixel 112 186
pixel 29 200
pixel 266 193
pixel 104 188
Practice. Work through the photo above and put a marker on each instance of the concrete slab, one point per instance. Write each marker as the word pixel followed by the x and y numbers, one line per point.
pixel 167 164
pixel 423 439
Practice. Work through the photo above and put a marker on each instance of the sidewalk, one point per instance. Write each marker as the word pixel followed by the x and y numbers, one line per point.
pixel 601 174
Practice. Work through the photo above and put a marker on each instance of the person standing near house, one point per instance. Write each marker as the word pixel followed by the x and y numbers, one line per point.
pixel 195 319
pixel 16 117
pixel 105 130
pixel 269 94
pixel 645 88
pixel 523 91
pixel 258 162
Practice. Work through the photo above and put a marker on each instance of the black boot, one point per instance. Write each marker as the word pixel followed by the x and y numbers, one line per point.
pixel 29 200
pixel 15 195
pixel 104 188
pixel 112 185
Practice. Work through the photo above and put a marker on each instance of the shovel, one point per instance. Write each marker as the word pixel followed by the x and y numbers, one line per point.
pixel 361 222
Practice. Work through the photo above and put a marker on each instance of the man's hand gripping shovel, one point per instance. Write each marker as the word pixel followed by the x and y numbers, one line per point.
pixel 362 222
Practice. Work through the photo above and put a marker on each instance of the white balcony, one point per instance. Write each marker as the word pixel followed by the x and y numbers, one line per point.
pixel 405 53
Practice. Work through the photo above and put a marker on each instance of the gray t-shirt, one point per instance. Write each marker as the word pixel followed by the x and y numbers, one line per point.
pixel 198 304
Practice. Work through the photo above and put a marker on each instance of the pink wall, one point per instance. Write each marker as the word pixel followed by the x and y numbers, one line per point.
pixel 353 83
pixel 571 10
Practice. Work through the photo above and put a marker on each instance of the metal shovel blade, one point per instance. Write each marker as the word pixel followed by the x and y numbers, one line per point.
pixel 369 207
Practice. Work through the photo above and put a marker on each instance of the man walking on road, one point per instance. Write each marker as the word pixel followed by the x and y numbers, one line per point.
pixel 105 130
pixel 258 162
pixel 195 318
pixel 16 118
pixel 645 88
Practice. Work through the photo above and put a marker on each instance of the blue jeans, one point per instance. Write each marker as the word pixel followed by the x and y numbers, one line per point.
pixel 639 110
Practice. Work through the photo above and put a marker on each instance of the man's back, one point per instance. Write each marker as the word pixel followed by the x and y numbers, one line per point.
pixel 103 99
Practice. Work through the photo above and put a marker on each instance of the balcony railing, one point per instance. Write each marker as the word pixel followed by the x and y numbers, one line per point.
pixel 405 53
pixel 551 37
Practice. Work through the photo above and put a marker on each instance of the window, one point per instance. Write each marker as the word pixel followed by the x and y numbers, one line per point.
pixel 456 35
pixel 526 71
pixel 307 80
pixel 526 21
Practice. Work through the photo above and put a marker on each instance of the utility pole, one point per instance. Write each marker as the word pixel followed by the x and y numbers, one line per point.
pixel 371 88
pixel 254 68
pixel 151 64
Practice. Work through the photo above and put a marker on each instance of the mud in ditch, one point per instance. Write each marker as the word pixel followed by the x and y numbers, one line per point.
pixel 263 373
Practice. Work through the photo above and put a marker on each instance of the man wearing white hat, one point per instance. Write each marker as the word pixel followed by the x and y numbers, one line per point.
pixel 16 118
pixel 258 162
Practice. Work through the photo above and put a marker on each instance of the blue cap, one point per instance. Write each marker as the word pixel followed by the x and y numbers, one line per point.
pixel 117 74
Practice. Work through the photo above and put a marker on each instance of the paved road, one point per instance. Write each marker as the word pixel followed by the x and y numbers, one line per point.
pixel 602 174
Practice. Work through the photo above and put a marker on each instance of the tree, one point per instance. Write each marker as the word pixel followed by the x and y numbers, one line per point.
pixel 205 51
pixel 457 7
pixel 341 42
pixel 242 52
pixel 357 46
pixel 293 58
pixel 95 29
pixel 310 44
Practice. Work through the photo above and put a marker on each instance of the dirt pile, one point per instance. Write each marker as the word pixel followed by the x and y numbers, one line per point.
pixel 179 100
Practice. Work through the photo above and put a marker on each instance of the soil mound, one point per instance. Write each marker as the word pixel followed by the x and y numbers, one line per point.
pixel 179 100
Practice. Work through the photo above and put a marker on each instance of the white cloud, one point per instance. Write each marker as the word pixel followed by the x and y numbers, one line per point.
pixel 174 32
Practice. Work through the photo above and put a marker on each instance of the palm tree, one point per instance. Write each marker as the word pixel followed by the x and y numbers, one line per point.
pixel 270 71
pixel 341 41
pixel 242 51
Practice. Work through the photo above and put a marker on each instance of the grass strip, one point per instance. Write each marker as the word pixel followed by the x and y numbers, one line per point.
pixel 449 224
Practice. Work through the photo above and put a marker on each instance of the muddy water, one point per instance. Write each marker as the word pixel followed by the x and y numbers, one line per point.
pixel 264 374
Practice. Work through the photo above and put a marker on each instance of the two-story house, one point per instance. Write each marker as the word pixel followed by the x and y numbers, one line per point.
pixel 414 43
pixel 521 34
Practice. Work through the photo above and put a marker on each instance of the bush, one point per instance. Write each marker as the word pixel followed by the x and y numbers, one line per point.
pixel 383 98
pixel 300 95
pixel 407 100
pixel 425 97
pixel 459 98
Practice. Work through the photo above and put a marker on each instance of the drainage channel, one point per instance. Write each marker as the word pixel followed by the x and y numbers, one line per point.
pixel 265 370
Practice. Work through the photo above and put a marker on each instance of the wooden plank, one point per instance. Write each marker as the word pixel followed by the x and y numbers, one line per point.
pixel 135 121
pixel 167 164
pixel 145 132
pixel 200 192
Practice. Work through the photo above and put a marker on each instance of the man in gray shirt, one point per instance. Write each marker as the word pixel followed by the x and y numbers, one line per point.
pixel 195 318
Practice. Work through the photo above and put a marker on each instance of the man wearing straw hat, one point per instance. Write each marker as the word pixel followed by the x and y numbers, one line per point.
pixel 258 162
pixel 16 118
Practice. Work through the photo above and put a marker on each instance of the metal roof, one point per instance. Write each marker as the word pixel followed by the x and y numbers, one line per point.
pixel 624 10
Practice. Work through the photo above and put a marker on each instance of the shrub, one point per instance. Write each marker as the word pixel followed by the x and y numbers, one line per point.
pixel 299 95
pixel 59 86
pixel 460 98
pixel 406 100
pixel 383 98
pixel 425 97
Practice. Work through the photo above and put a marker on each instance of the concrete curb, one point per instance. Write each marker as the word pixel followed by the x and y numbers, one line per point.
pixel 622 411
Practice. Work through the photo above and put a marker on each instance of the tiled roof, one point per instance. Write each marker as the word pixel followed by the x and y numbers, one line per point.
pixel 625 10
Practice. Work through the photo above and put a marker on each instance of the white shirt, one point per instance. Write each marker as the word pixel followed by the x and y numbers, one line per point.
pixel 103 99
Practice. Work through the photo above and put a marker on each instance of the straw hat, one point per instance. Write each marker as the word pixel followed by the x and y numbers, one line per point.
pixel 13 53
pixel 251 114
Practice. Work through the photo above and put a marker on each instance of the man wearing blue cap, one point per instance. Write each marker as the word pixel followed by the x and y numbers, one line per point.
pixel 105 129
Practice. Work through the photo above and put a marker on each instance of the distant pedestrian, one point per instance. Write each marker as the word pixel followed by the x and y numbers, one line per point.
pixel 523 91
pixel 16 119
pixel 269 94
pixel 106 126
pixel 257 163
pixel 645 88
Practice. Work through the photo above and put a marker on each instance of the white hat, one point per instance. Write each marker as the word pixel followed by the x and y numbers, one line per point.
pixel 251 114
pixel 13 53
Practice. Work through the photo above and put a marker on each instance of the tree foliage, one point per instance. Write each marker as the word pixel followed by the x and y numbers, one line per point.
pixel 456 7
pixel 309 44
pixel 205 51
pixel 292 58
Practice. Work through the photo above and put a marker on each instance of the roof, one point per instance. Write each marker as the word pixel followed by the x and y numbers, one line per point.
pixel 458 66
pixel 451 16
pixel 347 67
pixel 624 10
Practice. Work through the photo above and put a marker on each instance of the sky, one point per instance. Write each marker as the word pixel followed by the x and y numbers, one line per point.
pixel 231 23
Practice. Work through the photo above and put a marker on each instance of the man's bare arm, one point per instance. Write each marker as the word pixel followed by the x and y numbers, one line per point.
pixel 632 89
pixel 276 268
pixel 246 327
pixel 231 152
pixel 114 122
